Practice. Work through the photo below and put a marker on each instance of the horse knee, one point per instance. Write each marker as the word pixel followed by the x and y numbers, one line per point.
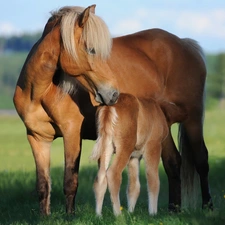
pixel 70 186
pixel 113 177
pixel 100 185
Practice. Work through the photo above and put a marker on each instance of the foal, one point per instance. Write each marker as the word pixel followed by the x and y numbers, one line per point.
pixel 132 128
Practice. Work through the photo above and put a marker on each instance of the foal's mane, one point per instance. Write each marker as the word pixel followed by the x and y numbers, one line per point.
pixel 95 32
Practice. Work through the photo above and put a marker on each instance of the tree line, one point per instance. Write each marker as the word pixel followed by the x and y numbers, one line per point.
pixel 14 49
pixel 21 43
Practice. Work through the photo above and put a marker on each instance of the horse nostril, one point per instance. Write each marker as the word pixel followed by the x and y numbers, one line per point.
pixel 115 96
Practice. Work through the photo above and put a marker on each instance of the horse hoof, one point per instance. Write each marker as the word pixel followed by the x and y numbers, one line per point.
pixel 208 205
pixel 174 208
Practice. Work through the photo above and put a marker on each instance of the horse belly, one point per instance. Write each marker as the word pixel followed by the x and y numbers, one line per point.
pixel 173 112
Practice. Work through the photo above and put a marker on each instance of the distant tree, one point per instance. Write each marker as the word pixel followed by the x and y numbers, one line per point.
pixel 215 84
pixel 2 44
pixel 221 71
pixel 18 43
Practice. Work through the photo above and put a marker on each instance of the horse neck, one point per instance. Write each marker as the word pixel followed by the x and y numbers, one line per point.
pixel 41 66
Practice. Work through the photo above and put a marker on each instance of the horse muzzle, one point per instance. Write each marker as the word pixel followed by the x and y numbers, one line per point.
pixel 108 97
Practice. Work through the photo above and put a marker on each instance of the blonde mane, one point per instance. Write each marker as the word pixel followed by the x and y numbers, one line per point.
pixel 95 32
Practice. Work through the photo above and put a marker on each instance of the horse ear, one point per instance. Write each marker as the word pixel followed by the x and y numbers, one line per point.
pixel 85 14
pixel 92 8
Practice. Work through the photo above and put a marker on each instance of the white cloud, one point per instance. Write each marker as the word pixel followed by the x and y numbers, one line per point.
pixel 211 23
pixel 126 26
pixel 199 24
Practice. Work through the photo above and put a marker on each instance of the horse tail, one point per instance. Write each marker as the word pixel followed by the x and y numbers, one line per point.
pixel 189 175
pixel 107 118
pixel 194 46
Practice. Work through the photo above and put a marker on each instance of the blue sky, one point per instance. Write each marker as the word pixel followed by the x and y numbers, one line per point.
pixel 203 20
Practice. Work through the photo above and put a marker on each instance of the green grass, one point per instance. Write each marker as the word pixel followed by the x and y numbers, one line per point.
pixel 19 203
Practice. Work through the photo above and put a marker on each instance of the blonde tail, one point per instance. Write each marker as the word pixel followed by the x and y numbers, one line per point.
pixel 107 118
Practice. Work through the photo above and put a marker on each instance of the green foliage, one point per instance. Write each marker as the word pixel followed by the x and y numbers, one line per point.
pixel 18 43
pixel 11 65
pixel 19 202
pixel 215 84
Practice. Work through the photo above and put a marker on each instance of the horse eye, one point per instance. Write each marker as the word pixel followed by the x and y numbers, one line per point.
pixel 91 51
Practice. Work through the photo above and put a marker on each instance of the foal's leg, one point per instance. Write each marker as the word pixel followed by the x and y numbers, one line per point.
pixel 133 188
pixel 41 152
pixel 114 174
pixel 172 164
pixel 100 184
pixel 152 157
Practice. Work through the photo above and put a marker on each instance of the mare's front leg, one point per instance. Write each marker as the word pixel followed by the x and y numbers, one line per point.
pixel 71 132
pixel 172 165
pixel 41 152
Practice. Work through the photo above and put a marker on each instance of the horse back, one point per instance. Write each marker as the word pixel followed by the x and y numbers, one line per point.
pixel 133 119
pixel 120 117
pixel 164 67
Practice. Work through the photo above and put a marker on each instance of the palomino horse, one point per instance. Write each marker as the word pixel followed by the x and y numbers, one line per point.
pixel 45 109
pixel 131 128
pixel 150 64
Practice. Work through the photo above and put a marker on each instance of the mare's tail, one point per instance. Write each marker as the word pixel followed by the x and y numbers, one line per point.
pixel 107 118
pixel 189 175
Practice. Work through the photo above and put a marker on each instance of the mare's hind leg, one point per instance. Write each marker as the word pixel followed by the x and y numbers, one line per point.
pixel 194 132
pixel 133 187
pixel 41 152
pixel 151 157
pixel 172 165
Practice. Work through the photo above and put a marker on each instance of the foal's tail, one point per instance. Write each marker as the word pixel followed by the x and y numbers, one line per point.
pixel 107 118
pixel 189 175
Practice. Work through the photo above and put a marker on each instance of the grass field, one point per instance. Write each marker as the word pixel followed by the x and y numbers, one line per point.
pixel 18 199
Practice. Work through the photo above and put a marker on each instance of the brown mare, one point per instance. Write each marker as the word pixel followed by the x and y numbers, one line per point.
pixel 131 128
pixel 46 109
pixel 151 64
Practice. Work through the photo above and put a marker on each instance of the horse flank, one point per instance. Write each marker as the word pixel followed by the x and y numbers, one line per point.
pixel 95 32
pixel 107 119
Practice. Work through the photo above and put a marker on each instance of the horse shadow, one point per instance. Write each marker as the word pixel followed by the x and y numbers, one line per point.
pixel 19 201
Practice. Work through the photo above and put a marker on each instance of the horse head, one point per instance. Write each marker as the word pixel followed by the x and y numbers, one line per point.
pixel 86 46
